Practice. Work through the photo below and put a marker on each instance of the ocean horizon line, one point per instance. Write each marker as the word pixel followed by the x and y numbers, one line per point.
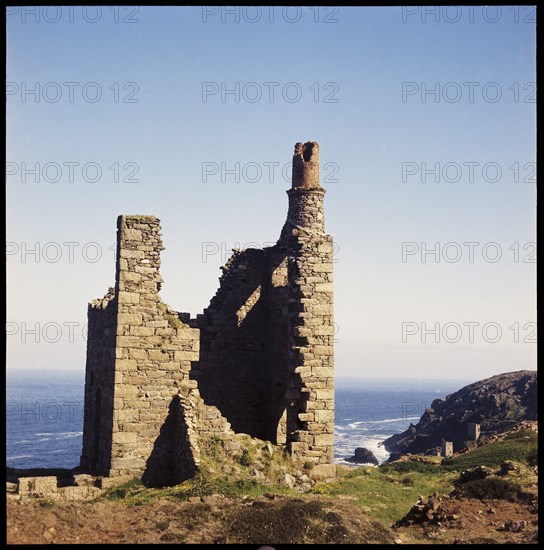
pixel 21 370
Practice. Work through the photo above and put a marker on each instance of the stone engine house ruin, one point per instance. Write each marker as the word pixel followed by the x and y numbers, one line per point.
pixel 259 360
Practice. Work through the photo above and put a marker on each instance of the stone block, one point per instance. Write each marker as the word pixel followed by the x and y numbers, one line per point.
pixel 133 427
pixel 168 331
pixel 324 394
pixel 145 270
pixel 124 437
pixel 323 471
pixel 84 480
pixel 185 356
pixel 137 354
pixel 126 364
pixel 128 415
pixel 129 318
pixel 324 416
pixel 128 391
pixel 157 355
pixel 142 331
pixel 132 254
pixel 323 350
pixel 132 235
pixel 129 297
pixel 323 309
pixel 127 463
pixel 156 324
pixel 45 486
pixel 323 372
pixel 324 439
pixel 130 277
pixel 170 366
pixel 129 341
pixel 324 287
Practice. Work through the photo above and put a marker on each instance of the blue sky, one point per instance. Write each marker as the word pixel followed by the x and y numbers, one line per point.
pixel 356 84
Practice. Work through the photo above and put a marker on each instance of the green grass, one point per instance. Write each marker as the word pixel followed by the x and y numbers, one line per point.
pixel 121 492
pixel 173 319
pixel 520 447
pixel 385 493
pixel 245 460
pixel 410 466
pixel 134 493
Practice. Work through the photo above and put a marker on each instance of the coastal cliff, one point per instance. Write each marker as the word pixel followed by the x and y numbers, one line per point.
pixel 496 404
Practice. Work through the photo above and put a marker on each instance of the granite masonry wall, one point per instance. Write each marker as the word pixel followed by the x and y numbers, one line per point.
pixel 243 367
pixel 258 361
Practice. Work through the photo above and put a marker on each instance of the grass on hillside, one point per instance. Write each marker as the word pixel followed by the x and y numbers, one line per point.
pixel 135 493
pixel 385 493
pixel 519 446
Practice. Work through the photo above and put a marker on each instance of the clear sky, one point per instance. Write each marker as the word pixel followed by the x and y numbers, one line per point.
pixel 426 125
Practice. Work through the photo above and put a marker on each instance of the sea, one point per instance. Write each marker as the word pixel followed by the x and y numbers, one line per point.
pixel 44 414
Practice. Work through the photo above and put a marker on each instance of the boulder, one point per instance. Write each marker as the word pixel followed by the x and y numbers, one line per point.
pixel 363 456
pixel 480 472
pixel 508 467
pixel 288 480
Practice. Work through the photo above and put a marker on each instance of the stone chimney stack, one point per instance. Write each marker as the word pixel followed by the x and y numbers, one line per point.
pixel 310 392
pixel 306 209
pixel 306 166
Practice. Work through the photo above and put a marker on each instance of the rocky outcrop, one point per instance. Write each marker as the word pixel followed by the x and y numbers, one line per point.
pixel 496 403
pixel 363 456
pixel 427 510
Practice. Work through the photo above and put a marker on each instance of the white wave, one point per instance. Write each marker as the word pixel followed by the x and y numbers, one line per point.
pixel 346 463
pixel 385 421
pixel 18 456
pixel 397 419
pixel 352 427
pixel 59 433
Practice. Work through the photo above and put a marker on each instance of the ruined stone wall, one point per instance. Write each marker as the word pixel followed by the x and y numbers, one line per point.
pixel 99 382
pixel 267 337
pixel 310 414
pixel 310 409
pixel 154 354
pixel 243 353
pixel 139 359
pixel 258 361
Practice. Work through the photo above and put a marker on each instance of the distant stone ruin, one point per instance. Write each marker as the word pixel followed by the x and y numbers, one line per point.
pixel 473 431
pixel 259 360
pixel 447 448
